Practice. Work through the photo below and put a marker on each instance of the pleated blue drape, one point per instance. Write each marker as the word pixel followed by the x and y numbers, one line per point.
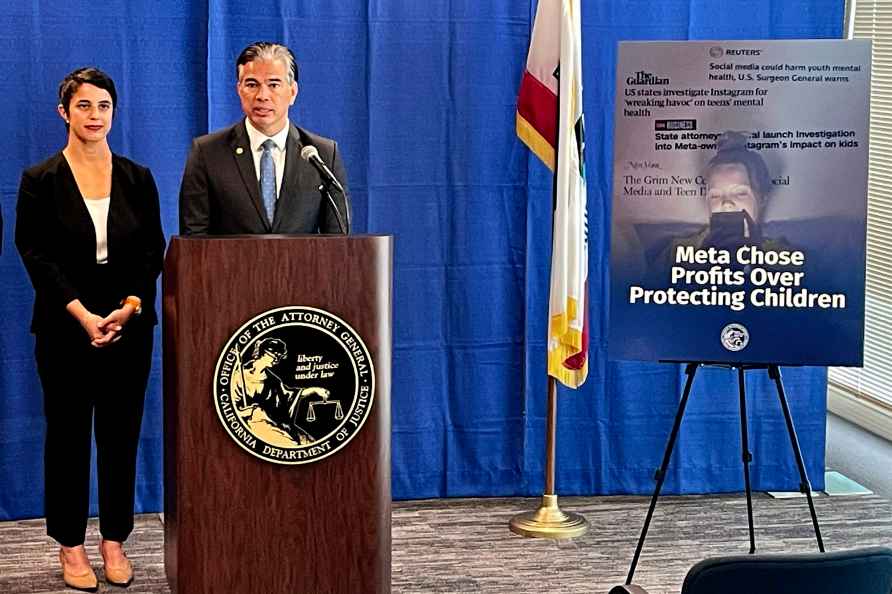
pixel 420 96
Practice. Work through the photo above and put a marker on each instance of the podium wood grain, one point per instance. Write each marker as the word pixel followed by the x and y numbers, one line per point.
pixel 236 523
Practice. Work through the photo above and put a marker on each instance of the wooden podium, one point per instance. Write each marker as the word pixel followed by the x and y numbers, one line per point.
pixel 235 522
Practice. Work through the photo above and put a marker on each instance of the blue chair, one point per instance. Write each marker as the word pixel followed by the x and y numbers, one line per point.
pixel 859 571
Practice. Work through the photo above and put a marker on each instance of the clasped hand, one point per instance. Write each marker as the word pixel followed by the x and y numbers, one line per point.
pixel 104 331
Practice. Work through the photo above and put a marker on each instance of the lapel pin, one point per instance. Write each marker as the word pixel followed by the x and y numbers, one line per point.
pixel 239 150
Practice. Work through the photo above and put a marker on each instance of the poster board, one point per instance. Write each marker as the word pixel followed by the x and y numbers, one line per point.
pixel 740 202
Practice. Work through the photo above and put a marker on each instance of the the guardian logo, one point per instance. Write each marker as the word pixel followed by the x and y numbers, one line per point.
pixel 646 79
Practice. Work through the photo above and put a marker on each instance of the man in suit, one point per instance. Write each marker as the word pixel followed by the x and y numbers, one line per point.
pixel 250 178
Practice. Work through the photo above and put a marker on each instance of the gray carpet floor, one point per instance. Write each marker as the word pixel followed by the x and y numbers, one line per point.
pixel 464 545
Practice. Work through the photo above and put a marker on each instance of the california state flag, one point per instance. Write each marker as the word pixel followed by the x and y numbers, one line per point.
pixel 550 122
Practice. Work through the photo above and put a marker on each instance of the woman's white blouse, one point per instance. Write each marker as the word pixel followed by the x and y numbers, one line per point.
pixel 98 208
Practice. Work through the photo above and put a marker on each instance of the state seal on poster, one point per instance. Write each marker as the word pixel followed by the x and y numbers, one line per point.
pixel 293 385
pixel 735 337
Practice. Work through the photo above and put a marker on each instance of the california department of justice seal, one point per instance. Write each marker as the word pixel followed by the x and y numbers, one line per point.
pixel 294 385
pixel 735 337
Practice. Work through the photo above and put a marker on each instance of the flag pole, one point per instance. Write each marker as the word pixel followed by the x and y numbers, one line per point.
pixel 549 521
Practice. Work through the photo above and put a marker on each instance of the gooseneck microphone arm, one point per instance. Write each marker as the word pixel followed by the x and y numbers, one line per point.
pixel 310 154
pixel 334 206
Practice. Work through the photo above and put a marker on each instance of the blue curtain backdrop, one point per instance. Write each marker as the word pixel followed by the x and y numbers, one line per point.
pixel 421 97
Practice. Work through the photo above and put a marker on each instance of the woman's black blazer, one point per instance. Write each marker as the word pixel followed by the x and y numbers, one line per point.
pixel 57 241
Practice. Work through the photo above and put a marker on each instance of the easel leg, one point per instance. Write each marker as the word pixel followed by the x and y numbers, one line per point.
pixel 804 485
pixel 690 370
pixel 747 456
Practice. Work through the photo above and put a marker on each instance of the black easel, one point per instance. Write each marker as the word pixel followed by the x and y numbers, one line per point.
pixel 804 485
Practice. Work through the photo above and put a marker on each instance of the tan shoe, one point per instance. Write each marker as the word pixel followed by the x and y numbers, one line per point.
pixel 83 579
pixel 118 572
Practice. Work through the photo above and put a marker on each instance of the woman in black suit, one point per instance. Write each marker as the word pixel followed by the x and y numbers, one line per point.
pixel 89 232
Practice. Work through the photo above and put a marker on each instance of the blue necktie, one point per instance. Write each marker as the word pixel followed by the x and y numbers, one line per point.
pixel 268 179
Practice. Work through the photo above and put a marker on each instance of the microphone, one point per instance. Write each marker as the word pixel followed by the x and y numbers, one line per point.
pixel 310 154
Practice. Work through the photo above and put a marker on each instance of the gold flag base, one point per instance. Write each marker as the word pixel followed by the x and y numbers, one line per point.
pixel 549 522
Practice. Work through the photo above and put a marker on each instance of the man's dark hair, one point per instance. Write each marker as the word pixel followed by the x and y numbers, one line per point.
pixel 267 50
pixel 90 75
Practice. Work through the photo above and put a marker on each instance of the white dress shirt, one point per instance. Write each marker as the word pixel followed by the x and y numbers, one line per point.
pixel 257 138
